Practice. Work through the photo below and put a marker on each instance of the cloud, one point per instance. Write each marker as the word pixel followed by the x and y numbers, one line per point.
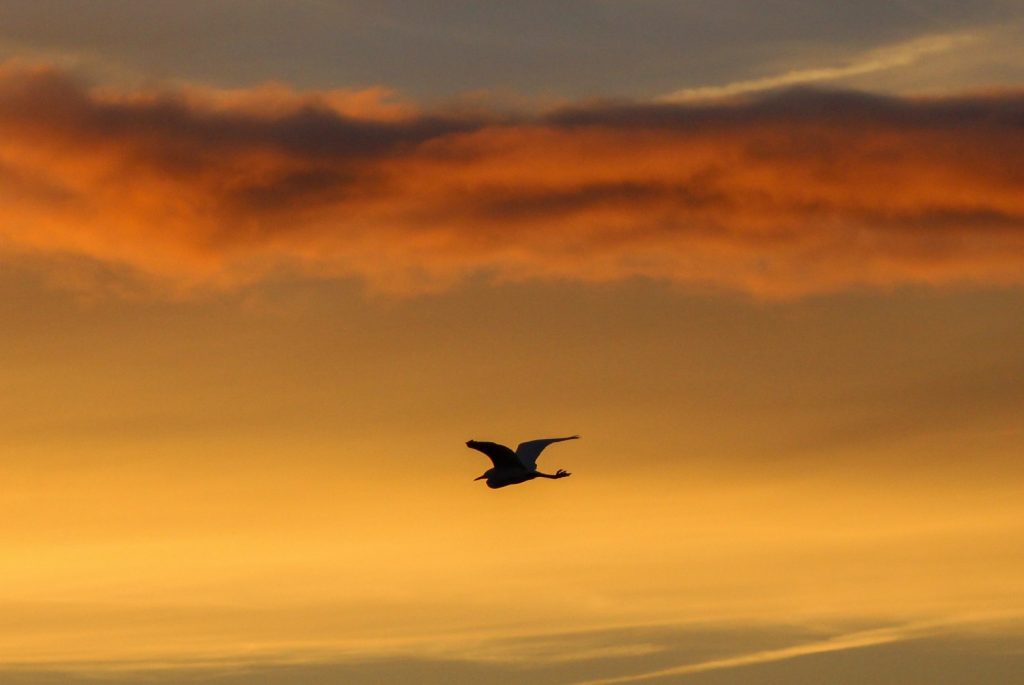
pixel 855 640
pixel 880 59
pixel 582 657
pixel 787 194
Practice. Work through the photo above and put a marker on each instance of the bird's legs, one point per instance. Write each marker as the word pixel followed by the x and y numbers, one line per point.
pixel 560 473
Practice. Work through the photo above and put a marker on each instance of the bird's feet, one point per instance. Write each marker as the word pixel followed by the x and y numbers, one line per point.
pixel 562 473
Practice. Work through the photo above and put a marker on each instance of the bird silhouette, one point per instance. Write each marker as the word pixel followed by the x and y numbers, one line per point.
pixel 515 467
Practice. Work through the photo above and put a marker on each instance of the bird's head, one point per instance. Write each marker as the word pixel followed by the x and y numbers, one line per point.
pixel 484 477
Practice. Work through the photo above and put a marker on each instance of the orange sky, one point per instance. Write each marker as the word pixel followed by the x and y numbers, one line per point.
pixel 278 475
pixel 780 195
pixel 249 318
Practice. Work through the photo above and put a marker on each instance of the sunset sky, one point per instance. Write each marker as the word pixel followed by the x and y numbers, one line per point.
pixel 265 266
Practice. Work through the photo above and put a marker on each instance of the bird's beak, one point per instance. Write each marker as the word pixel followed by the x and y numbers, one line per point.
pixel 480 478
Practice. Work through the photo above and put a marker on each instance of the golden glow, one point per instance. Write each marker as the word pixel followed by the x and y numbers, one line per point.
pixel 212 483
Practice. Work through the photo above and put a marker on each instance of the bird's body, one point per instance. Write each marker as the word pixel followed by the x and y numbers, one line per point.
pixel 499 478
pixel 520 466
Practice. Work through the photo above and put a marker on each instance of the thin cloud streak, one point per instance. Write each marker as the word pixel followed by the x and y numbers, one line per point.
pixel 880 59
pixel 856 640
pixel 789 194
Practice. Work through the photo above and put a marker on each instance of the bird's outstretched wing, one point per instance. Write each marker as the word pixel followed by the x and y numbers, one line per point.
pixel 502 456
pixel 527 452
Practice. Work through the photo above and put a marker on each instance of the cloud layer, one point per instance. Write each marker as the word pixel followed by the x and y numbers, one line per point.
pixel 791 193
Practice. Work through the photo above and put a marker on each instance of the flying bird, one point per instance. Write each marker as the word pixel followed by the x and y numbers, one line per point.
pixel 515 467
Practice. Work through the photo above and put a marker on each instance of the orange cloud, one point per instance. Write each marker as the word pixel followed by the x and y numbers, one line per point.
pixel 790 193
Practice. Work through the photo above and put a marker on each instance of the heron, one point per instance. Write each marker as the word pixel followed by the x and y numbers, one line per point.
pixel 516 467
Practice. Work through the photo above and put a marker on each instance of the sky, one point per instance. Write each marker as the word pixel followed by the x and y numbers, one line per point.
pixel 265 267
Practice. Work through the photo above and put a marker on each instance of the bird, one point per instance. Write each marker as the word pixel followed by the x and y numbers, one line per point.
pixel 516 467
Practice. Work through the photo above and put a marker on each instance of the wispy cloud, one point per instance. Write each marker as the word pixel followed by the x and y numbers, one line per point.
pixel 792 193
pixel 879 59
pixel 500 655
pixel 855 640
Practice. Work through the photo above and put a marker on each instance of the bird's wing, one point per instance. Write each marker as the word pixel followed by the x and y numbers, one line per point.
pixel 527 452
pixel 502 456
